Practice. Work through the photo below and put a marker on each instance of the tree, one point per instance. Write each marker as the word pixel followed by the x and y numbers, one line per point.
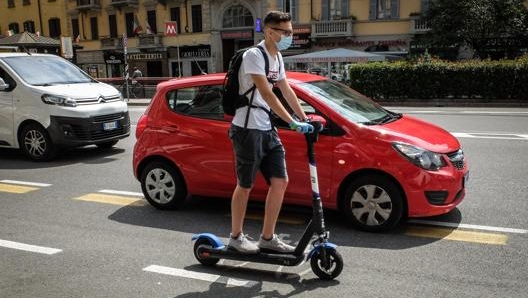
pixel 493 28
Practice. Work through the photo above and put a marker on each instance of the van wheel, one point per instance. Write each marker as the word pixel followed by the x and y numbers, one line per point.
pixel 373 203
pixel 36 144
pixel 163 186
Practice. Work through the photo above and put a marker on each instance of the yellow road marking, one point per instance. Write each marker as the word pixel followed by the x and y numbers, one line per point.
pixel 457 235
pixel 111 199
pixel 16 188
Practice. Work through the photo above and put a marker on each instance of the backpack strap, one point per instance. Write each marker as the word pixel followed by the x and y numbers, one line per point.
pixel 254 87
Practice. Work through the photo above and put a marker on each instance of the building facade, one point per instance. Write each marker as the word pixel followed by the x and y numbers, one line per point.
pixel 186 37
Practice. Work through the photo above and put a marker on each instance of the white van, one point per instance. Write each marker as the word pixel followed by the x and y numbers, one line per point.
pixel 47 103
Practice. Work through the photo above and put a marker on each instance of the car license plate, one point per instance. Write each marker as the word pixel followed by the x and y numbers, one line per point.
pixel 110 125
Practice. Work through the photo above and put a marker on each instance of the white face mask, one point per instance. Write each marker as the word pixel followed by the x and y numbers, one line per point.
pixel 284 43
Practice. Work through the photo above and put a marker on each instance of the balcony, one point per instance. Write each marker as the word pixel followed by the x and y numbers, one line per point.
pixel 86 5
pixel 122 3
pixel 111 43
pixel 150 41
pixel 332 28
pixel 419 26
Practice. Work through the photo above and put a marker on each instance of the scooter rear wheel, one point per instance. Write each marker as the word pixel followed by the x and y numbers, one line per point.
pixel 203 258
pixel 334 263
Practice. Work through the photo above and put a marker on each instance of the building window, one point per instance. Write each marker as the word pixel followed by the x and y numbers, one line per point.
pixel 151 22
pixel 29 26
pixel 290 6
pixel 384 9
pixel 10 3
pixel 334 9
pixel 237 16
pixel 112 25
pixel 94 28
pixel 175 17
pixel 196 11
pixel 13 28
pixel 75 29
pixel 54 27
pixel 26 2
pixel 129 21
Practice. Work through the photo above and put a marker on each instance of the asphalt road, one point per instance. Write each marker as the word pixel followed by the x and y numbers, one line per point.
pixel 78 227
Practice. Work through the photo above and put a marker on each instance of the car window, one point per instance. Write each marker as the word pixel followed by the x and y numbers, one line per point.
pixel 347 102
pixel 201 101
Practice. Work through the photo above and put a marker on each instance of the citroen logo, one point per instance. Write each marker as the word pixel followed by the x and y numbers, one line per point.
pixel 101 99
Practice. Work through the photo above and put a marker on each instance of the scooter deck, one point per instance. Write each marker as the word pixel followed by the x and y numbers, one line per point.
pixel 261 257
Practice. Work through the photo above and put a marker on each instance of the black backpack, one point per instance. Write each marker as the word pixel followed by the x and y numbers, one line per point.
pixel 231 99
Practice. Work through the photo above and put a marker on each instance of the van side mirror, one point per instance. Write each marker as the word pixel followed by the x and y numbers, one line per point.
pixel 3 85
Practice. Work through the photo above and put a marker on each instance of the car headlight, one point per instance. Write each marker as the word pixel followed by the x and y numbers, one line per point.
pixel 58 100
pixel 425 159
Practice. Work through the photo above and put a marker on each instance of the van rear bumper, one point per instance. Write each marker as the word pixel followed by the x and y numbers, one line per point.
pixel 72 132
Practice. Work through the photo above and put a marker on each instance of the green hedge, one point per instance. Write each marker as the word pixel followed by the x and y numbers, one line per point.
pixel 432 79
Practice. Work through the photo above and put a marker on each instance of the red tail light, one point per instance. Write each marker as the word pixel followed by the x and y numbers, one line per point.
pixel 141 125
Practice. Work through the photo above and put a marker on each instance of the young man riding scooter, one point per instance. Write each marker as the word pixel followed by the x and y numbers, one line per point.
pixel 256 143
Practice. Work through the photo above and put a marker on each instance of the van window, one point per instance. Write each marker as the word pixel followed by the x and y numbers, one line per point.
pixel 47 70
pixel 7 79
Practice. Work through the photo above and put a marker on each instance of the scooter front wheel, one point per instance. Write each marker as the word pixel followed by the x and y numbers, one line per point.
pixel 328 265
pixel 202 256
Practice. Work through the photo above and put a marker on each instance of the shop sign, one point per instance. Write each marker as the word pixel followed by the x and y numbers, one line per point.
pixel 239 34
pixel 113 58
pixel 189 52
pixel 145 56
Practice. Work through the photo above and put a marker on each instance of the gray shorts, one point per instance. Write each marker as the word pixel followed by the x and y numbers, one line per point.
pixel 257 150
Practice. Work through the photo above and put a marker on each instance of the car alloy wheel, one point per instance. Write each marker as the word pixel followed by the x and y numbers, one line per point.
pixel 35 143
pixel 163 186
pixel 373 203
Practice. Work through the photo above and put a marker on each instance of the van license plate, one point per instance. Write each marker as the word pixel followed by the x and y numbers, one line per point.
pixel 110 125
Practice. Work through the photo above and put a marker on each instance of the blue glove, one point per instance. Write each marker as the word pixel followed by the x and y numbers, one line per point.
pixel 301 127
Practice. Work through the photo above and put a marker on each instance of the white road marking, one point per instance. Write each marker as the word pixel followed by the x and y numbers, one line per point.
pixel 121 192
pixel 29 247
pixel 25 183
pixel 468 226
pixel 496 136
pixel 200 276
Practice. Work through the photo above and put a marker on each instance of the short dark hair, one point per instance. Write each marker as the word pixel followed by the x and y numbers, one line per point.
pixel 275 17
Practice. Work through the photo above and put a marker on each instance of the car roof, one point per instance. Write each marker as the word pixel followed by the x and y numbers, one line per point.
pixel 293 77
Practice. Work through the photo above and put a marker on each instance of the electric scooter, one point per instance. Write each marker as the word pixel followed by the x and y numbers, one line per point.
pixel 325 260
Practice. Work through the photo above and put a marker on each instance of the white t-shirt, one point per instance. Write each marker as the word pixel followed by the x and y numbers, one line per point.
pixel 253 63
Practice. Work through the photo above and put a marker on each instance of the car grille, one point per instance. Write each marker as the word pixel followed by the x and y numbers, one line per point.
pixel 457 159
pixel 97 100
pixel 95 131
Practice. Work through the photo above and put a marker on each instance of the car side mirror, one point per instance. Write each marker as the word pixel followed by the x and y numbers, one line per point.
pixel 3 85
pixel 317 120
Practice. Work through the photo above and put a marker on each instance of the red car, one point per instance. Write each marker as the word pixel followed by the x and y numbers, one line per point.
pixel 374 165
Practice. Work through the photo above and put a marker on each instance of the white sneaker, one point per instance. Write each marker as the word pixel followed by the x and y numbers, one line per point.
pixel 275 244
pixel 242 244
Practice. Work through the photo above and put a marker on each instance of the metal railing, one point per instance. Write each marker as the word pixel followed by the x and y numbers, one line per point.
pixel 332 28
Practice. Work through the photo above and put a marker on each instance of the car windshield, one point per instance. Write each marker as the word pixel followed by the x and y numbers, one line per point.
pixel 349 103
pixel 47 70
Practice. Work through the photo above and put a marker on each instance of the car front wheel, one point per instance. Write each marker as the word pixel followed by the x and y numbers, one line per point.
pixel 163 186
pixel 373 203
pixel 35 143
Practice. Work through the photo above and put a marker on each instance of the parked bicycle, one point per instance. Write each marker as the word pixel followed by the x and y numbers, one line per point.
pixel 135 89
